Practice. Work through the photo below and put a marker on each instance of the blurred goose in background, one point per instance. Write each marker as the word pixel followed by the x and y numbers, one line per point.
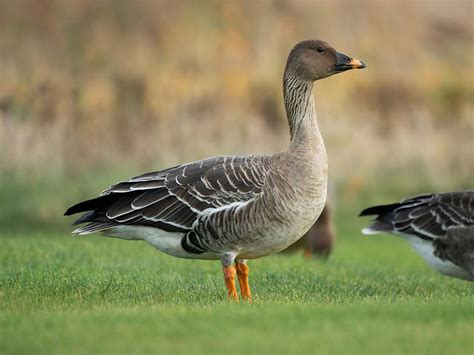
pixel 231 208
pixel 440 227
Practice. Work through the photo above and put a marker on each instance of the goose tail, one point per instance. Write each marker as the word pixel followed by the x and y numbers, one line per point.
pixel 383 221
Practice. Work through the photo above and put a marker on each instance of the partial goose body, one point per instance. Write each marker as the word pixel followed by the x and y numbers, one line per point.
pixel 320 238
pixel 440 227
pixel 231 208
pixel 200 209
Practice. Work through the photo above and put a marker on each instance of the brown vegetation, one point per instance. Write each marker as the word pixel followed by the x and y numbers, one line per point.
pixel 143 84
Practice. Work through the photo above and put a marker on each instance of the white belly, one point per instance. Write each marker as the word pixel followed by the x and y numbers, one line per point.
pixel 426 250
pixel 167 242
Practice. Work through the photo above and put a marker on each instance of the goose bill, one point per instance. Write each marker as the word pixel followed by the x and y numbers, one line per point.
pixel 345 62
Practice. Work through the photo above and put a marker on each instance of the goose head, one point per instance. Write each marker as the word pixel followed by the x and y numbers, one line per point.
pixel 313 60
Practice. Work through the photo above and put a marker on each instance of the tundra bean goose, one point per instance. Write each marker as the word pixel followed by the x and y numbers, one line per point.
pixel 231 208
pixel 440 227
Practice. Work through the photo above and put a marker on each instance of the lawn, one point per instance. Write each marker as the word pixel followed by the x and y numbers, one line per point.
pixel 78 295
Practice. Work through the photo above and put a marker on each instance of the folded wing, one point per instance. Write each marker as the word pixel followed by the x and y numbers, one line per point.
pixel 175 198
pixel 426 216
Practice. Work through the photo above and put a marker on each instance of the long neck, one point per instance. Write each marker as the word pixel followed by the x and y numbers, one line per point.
pixel 301 113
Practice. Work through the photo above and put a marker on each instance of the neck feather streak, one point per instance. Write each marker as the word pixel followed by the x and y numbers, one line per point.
pixel 299 105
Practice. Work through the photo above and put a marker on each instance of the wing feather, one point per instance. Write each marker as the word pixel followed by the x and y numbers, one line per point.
pixel 426 216
pixel 174 199
pixel 149 197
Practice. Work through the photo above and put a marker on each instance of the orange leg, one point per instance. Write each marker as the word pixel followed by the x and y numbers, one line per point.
pixel 243 276
pixel 229 278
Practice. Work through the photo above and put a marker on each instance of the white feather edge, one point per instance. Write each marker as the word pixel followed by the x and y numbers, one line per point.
pixel 370 231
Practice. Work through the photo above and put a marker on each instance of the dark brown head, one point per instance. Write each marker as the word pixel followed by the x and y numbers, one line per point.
pixel 313 60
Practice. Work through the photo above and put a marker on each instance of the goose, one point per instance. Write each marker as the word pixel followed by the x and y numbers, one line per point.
pixel 231 208
pixel 440 227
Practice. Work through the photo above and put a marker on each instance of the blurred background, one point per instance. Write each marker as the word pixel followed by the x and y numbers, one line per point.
pixel 92 92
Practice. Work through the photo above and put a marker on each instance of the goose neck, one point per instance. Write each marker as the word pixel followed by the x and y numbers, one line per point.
pixel 301 112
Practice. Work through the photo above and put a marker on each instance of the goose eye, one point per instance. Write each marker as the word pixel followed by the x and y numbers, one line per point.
pixel 320 49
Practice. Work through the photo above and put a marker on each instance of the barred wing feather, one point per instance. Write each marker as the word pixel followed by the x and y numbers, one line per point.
pixel 426 216
pixel 175 198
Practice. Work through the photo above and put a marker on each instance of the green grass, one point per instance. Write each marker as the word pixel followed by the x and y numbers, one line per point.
pixel 64 295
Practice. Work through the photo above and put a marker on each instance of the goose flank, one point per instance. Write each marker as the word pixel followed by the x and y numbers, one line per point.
pixel 319 239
